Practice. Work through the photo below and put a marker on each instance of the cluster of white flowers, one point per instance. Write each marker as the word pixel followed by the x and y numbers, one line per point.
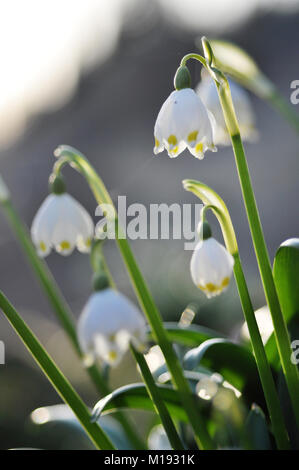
pixel 109 321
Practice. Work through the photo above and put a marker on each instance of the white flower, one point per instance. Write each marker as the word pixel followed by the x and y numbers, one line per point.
pixel 108 323
pixel 211 267
pixel 158 440
pixel 264 322
pixel 183 122
pixel 62 223
pixel 245 115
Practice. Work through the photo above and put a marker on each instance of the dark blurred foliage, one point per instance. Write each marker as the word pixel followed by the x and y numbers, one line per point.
pixel 111 119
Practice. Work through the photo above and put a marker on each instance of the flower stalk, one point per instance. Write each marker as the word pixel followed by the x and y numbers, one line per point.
pixel 159 404
pixel 68 155
pixel 216 204
pixel 280 328
pixel 271 396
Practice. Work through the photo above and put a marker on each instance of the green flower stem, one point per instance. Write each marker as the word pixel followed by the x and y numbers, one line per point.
pixel 280 327
pixel 68 155
pixel 159 404
pixel 62 311
pixel 98 261
pixel 55 376
pixel 272 400
pixel 195 56
pixel 221 212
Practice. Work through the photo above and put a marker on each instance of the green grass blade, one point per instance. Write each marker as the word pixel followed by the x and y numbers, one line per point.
pixel 55 376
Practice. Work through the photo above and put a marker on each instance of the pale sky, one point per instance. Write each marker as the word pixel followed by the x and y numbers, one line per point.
pixel 45 45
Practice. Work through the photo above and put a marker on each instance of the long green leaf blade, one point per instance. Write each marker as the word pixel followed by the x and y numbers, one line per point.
pixel 55 376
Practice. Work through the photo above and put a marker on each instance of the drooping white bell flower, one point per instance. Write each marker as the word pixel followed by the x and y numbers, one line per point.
pixel 184 122
pixel 211 266
pixel 207 91
pixel 62 223
pixel 108 322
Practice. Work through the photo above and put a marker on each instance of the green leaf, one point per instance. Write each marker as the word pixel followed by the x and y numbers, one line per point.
pixel 286 275
pixel 256 430
pixel 190 336
pixel 235 363
pixel 55 376
pixel 210 198
pixel 135 396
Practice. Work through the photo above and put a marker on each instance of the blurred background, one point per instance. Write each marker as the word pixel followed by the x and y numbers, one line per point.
pixel 93 74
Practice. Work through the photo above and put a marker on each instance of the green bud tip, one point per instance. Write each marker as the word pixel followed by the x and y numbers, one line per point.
pixel 56 184
pixel 100 281
pixel 204 230
pixel 182 78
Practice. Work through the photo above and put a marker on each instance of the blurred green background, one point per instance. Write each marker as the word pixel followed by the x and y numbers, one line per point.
pixel 93 74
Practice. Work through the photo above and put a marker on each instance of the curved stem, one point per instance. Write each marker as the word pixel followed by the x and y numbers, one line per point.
pixel 63 312
pixel 195 56
pixel 78 161
pixel 55 376
pixel 159 404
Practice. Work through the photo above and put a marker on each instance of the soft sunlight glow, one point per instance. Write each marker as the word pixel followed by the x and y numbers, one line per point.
pixel 264 321
pixel 154 358
pixel 219 15
pixel 44 47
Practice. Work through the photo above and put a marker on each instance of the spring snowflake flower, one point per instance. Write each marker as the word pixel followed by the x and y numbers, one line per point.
pixel 61 223
pixel 211 266
pixel 245 115
pixel 184 122
pixel 108 322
